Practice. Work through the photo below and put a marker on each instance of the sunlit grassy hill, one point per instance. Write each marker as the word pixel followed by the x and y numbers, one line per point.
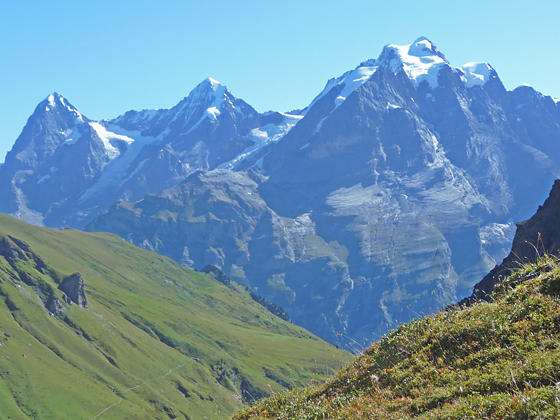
pixel 497 359
pixel 156 340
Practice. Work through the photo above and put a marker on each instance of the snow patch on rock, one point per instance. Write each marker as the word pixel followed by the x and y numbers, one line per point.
pixel 262 136
pixel 421 61
pixel 476 74
pixel 108 138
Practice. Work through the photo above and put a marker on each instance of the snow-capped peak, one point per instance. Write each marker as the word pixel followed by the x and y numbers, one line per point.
pixel 213 82
pixel 58 102
pixel 476 74
pixel 421 60
pixel 423 47
pixel 209 86
pixel 350 81
pixel 52 99
pixel 207 94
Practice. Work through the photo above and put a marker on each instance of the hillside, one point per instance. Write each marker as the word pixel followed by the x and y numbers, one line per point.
pixel 497 359
pixel 93 327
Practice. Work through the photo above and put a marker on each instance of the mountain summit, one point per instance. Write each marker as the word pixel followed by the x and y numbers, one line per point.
pixel 421 62
pixel 392 196
pixel 65 169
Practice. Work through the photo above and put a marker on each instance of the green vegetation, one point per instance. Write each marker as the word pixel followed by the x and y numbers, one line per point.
pixel 497 359
pixel 156 341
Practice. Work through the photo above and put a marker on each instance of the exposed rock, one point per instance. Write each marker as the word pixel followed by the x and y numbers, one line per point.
pixel 16 253
pixel 64 168
pixel 217 274
pixel 534 237
pixel 54 306
pixel 222 277
pixel 73 287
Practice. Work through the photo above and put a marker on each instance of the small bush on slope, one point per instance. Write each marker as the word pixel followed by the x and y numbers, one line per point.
pixel 498 359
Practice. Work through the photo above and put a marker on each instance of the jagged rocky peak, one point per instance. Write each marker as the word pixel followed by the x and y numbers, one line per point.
pixel 210 85
pixel 421 61
pixel 73 287
pixel 53 121
pixel 208 93
pixel 211 97
pixel 56 102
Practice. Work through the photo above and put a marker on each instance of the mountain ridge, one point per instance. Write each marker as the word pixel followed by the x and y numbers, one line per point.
pixel 69 168
pixel 332 195
pixel 380 204
pixel 534 238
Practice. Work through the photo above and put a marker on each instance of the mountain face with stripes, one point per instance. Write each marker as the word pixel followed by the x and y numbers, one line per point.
pixel 390 196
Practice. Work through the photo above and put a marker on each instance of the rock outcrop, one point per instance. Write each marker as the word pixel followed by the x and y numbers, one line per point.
pixel 73 287
pixel 535 237
pixel 217 274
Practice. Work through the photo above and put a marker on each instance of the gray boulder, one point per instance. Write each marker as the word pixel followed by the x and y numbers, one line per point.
pixel 73 287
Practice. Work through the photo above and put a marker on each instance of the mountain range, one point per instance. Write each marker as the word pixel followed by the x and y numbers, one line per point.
pixel 391 195
pixel 65 169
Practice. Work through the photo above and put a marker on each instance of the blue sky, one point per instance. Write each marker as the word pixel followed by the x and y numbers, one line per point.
pixel 107 57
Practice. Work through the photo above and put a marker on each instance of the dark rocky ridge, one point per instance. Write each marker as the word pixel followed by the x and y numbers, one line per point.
pixel 23 263
pixel 19 262
pixel 534 237
pixel 217 274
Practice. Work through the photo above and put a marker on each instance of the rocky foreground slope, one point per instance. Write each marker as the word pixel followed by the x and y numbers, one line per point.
pixel 497 359
pixel 495 356
pixel 93 327
pixel 535 237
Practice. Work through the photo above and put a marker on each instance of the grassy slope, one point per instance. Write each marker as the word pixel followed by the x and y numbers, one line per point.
pixel 157 341
pixel 492 360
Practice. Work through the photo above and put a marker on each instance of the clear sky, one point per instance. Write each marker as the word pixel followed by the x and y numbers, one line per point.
pixel 107 57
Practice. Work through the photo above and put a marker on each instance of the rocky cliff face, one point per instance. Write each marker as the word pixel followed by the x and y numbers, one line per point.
pixel 534 237
pixel 65 169
pixel 22 266
pixel 73 287
pixel 390 198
